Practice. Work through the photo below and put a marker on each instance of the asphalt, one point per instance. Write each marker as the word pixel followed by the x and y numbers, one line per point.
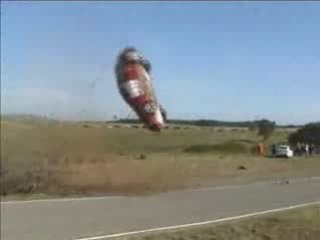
pixel 89 218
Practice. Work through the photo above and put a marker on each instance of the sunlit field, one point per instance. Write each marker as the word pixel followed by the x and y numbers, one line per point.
pixel 63 158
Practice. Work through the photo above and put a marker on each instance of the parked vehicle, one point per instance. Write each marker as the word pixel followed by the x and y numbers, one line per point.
pixel 283 151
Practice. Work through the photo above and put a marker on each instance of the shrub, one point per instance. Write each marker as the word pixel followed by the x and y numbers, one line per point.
pixel 266 128
pixel 310 134
pixel 228 147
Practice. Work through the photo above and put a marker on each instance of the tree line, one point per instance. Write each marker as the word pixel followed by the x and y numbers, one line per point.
pixel 213 123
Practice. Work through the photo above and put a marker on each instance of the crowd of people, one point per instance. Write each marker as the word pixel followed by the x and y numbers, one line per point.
pixel 305 149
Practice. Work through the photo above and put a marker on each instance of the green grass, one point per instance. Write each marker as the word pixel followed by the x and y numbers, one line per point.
pixel 225 148
pixel 299 224
pixel 70 158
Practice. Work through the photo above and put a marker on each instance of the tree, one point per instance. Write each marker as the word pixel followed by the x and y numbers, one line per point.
pixel 310 134
pixel 265 128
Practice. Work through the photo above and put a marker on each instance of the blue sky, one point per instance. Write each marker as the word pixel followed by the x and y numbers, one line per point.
pixel 219 60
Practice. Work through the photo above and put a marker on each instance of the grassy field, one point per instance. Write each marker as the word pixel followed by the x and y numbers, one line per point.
pixel 76 158
pixel 299 224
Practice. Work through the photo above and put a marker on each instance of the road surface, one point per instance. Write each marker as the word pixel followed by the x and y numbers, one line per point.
pixel 99 218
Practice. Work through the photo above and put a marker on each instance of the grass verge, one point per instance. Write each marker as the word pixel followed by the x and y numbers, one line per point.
pixel 298 224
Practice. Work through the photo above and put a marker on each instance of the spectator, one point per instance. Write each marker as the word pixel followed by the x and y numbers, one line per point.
pixel 306 146
pixel 311 149
pixel 298 149
pixel 303 148
pixel 273 150
pixel 261 149
pixel 315 149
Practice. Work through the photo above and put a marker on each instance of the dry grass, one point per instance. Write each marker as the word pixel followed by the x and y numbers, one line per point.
pixel 67 158
pixel 301 224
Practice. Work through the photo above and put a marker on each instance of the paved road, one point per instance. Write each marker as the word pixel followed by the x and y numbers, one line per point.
pixel 73 219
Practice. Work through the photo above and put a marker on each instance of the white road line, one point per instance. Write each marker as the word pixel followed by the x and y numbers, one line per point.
pixel 152 230
pixel 60 199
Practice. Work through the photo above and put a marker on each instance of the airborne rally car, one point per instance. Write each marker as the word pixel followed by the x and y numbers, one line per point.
pixel 135 85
